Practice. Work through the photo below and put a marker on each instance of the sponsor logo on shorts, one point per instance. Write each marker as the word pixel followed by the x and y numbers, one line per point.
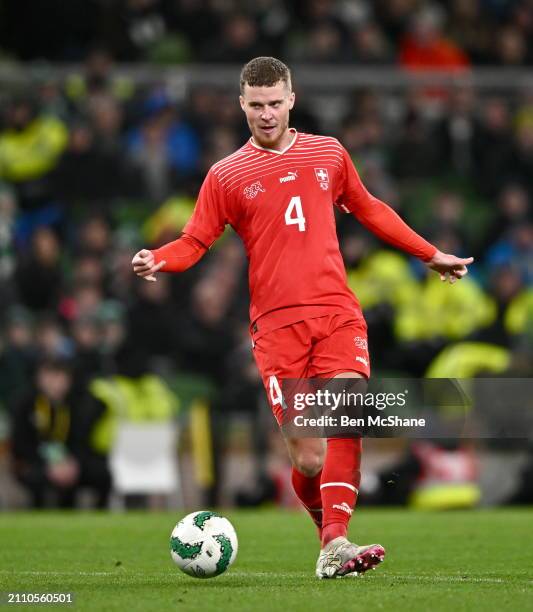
pixel 252 190
pixel 344 507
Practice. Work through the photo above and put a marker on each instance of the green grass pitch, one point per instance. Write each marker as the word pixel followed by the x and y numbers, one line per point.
pixel 479 560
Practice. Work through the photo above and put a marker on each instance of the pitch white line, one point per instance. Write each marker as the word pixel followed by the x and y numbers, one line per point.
pixel 170 573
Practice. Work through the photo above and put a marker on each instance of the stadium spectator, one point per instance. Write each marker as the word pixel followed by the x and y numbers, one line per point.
pixel 39 275
pixel 164 149
pixel 94 235
pixel 425 47
pixel 454 133
pixel 511 47
pixel 204 338
pixel 85 158
pixel 516 250
pixel 113 330
pixel 153 317
pixel 470 27
pixel 239 38
pixel 523 153
pixel 52 456
pixel 394 17
pixel 8 213
pixel 130 28
pixel 87 361
pixel 17 353
pixel 447 217
pixel 413 156
pixel 505 284
pixel 51 338
pixel 514 208
pixel 369 46
pixel 493 146
pixel 322 43
pixel 30 146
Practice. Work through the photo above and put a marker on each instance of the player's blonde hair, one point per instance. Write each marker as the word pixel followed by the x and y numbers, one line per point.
pixel 265 72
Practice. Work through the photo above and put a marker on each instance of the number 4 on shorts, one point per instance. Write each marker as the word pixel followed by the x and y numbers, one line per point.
pixel 275 391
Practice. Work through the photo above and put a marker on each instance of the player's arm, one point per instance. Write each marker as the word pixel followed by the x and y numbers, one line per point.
pixel 176 256
pixel 385 223
pixel 203 228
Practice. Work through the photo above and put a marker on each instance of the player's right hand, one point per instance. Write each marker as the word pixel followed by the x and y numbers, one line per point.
pixel 143 265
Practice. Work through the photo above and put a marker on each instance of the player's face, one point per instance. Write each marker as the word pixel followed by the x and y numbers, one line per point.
pixel 267 112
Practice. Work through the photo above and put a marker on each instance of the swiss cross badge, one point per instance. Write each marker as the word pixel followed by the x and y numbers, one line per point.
pixel 322 177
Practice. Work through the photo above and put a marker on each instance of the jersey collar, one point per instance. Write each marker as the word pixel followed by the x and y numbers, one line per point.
pixel 292 130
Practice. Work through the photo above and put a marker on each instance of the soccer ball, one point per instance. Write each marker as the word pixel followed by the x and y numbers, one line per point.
pixel 203 544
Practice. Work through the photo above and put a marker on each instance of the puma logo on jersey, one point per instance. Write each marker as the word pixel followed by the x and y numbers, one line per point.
pixel 344 507
pixel 291 176
pixel 252 190
pixel 362 360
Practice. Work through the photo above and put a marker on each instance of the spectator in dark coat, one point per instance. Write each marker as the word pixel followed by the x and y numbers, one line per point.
pixel 52 455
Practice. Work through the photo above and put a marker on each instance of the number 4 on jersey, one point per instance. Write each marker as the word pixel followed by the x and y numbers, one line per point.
pixel 295 206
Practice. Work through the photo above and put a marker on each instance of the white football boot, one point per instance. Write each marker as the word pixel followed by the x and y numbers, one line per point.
pixel 340 557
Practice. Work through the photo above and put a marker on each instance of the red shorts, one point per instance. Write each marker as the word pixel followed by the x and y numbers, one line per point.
pixel 315 348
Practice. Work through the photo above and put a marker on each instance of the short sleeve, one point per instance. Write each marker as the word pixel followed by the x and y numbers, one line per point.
pixel 209 217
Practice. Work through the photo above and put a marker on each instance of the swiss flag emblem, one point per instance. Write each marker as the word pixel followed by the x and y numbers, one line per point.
pixel 322 175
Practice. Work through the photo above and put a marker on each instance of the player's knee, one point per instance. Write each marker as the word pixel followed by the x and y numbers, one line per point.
pixel 309 463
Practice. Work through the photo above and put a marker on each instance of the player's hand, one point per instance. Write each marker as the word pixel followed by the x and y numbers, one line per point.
pixel 143 265
pixel 449 267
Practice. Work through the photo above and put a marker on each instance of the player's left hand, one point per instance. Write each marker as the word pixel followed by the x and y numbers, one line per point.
pixel 449 267
pixel 144 265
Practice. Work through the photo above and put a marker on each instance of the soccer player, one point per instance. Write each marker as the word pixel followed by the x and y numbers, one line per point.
pixel 277 192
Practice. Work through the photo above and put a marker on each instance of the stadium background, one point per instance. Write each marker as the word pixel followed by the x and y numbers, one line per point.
pixel 111 114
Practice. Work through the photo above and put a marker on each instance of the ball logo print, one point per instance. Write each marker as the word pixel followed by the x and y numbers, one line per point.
pixel 203 544
pixel 184 550
pixel 201 518
pixel 226 551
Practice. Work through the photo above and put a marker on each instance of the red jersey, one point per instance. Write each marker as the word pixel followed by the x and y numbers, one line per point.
pixel 281 205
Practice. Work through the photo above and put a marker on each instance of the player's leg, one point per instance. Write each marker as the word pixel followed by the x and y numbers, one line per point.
pixel 339 485
pixel 284 354
pixel 307 458
pixel 342 353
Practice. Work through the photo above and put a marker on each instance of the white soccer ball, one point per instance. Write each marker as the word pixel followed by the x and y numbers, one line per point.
pixel 203 544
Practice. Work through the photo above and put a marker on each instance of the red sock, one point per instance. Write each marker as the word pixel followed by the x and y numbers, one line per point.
pixel 308 492
pixel 339 485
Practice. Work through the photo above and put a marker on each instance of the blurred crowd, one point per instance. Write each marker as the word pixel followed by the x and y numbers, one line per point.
pixel 413 33
pixel 94 166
